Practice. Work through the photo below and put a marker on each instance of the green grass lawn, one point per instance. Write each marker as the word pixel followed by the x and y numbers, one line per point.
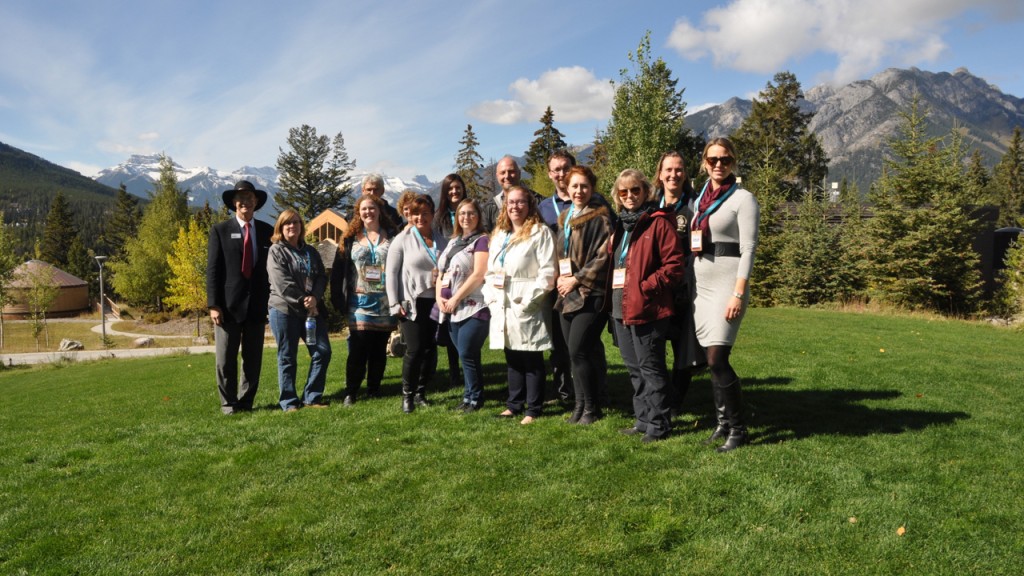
pixel 864 427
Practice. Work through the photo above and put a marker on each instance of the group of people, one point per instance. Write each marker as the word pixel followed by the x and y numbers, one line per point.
pixel 528 274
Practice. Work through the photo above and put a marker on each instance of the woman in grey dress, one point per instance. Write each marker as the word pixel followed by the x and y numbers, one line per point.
pixel 723 238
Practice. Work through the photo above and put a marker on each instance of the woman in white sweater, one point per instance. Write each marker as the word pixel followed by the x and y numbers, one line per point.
pixel 723 238
pixel 520 276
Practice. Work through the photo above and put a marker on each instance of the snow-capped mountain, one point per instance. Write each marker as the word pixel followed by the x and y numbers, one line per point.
pixel 140 172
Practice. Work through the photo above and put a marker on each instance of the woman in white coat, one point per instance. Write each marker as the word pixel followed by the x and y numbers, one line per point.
pixel 520 277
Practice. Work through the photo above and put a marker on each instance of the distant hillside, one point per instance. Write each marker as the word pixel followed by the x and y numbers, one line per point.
pixel 28 184
pixel 855 121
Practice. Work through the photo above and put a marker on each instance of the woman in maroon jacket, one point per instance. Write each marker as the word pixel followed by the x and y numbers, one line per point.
pixel 647 262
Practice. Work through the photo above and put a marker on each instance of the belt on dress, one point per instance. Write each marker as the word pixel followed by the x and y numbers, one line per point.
pixel 728 249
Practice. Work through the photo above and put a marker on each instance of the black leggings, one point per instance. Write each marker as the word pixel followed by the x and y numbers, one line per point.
pixel 722 373
pixel 367 356
pixel 582 331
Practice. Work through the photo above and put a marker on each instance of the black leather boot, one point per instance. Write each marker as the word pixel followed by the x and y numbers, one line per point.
pixel 407 404
pixel 577 412
pixel 722 430
pixel 420 400
pixel 733 402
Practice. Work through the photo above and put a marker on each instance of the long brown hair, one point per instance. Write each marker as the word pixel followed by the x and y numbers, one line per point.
pixel 356 225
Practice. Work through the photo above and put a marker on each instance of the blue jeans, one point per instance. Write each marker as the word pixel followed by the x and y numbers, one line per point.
pixel 469 336
pixel 287 330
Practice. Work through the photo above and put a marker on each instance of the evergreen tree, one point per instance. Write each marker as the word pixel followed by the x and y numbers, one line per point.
pixel 123 223
pixel 186 286
pixel 8 262
pixel 808 271
pixel 469 164
pixel 1009 299
pixel 313 172
pixel 766 185
pixel 919 240
pixel 81 264
pixel 851 258
pixel 140 274
pixel 647 117
pixel 548 139
pixel 58 234
pixel 1009 183
pixel 776 134
pixel 978 180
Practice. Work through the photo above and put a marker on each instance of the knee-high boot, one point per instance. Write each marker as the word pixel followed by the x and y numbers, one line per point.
pixel 407 393
pixel 722 427
pixel 733 403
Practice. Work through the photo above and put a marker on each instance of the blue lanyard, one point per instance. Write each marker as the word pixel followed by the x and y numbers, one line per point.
pixel 373 247
pixel 504 246
pixel 452 214
pixel 568 229
pixel 432 252
pixel 625 249
pixel 711 209
pixel 676 207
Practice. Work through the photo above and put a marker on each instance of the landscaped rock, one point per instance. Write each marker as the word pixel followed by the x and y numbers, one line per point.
pixel 201 341
pixel 144 342
pixel 67 345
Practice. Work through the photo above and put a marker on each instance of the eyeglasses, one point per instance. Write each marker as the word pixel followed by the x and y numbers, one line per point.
pixel 517 202
pixel 635 191
pixel 725 161
pixel 468 214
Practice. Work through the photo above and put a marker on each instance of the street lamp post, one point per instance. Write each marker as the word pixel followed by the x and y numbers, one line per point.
pixel 103 305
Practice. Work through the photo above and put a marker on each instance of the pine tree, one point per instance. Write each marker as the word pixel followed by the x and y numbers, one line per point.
pixel 766 185
pixel 776 134
pixel 186 286
pixel 469 164
pixel 548 139
pixel 123 223
pixel 851 259
pixel 1009 299
pixel 8 262
pixel 59 232
pixel 807 258
pixel 81 264
pixel 140 275
pixel 313 172
pixel 647 117
pixel 1009 183
pixel 919 240
pixel 978 179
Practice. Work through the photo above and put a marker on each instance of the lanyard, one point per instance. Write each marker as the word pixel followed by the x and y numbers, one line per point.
pixel 676 207
pixel 373 247
pixel 504 246
pixel 568 229
pixel 625 249
pixel 711 209
pixel 432 252
pixel 451 213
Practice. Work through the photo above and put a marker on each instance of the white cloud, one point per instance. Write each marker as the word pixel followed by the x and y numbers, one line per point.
pixel 574 94
pixel 87 170
pixel 147 136
pixel 763 36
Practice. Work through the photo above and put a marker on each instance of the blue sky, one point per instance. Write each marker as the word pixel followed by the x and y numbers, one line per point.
pixel 86 84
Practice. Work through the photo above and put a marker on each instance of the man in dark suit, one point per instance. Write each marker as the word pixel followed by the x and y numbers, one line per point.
pixel 237 290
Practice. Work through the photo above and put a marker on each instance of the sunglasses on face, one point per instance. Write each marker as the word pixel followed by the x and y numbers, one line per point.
pixel 635 192
pixel 725 161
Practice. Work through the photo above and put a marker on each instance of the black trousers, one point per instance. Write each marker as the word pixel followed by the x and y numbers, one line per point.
pixel 582 330
pixel 420 361
pixel 525 381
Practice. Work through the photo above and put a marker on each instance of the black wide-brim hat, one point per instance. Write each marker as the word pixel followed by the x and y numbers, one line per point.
pixel 244 186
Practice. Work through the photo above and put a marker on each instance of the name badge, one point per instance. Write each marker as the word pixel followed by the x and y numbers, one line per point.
pixel 498 279
pixel 565 267
pixel 373 273
pixel 618 278
pixel 696 240
pixel 309 285
pixel 236 235
pixel 446 280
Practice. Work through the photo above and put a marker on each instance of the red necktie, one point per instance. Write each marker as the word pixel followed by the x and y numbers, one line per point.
pixel 247 254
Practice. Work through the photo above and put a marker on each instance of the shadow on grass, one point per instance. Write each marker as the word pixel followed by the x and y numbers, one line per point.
pixel 780 415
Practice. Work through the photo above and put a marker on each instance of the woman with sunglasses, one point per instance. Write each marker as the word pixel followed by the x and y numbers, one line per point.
pixel 583 233
pixel 461 270
pixel 723 238
pixel 647 267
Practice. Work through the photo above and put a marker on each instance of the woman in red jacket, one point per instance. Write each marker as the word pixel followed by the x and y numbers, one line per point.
pixel 647 262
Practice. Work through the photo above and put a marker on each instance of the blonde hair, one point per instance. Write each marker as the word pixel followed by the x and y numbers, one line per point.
pixel 504 223
pixel 630 174
pixel 287 215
